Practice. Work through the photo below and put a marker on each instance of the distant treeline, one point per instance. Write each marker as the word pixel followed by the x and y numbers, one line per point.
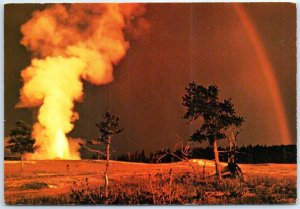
pixel 245 154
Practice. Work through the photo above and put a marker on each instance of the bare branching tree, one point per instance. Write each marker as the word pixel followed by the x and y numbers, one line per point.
pixel 108 127
pixel 232 167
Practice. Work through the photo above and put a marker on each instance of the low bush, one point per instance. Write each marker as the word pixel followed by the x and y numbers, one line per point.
pixel 35 185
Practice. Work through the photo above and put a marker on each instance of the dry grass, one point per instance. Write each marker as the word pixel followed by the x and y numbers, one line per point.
pixel 166 189
pixel 51 183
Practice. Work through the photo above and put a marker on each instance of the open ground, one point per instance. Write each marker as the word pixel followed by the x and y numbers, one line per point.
pixel 56 178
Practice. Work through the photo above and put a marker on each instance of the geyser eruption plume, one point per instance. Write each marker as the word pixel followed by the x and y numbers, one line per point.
pixel 70 43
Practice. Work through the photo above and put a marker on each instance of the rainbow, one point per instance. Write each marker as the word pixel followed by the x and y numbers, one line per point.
pixel 267 70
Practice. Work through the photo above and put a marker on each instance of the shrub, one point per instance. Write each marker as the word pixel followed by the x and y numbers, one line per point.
pixel 34 185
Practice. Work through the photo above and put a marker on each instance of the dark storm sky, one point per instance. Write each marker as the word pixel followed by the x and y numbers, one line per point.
pixel 205 43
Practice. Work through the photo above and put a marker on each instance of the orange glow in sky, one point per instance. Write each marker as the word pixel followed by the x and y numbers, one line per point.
pixel 267 70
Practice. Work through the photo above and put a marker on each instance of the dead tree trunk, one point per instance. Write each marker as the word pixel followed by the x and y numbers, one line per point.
pixel 203 170
pixel 106 169
pixel 22 163
pixel 217 161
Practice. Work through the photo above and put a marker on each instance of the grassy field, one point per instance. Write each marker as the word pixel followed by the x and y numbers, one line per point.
pixel 80 182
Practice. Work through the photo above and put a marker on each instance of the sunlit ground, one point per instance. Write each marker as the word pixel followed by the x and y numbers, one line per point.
pixel 57 177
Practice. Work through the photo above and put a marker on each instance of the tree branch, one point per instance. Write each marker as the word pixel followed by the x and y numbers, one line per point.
pixel 93 150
